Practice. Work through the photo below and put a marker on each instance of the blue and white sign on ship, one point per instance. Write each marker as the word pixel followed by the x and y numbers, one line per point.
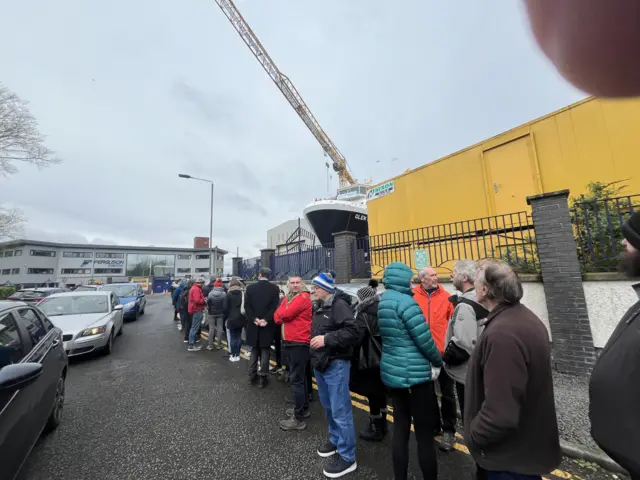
pixel 381 190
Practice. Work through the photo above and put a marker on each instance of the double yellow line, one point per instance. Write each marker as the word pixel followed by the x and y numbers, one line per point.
pixel 356 401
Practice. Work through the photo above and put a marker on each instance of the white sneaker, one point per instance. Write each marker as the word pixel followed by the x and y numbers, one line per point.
pixel 231 359
pixel 236 358
pixel 179 327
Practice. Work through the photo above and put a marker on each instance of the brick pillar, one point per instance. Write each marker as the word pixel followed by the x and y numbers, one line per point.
pixel 573 350
pixel 343 255
pixel 265 258
pixel 235 263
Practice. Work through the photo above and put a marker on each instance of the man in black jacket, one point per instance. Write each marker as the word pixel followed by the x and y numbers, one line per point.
pixel 614 390
pixel 333 334
pixel 260 303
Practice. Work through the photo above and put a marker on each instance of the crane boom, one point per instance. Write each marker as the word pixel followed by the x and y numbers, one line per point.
pixel 288 90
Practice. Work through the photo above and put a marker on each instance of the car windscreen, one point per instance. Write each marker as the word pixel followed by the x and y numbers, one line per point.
pixel 74 305
pixel 122 290
pixel 85 289
pixel 35 293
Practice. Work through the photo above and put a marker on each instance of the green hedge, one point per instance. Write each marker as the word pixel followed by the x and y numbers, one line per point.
pixel 5 292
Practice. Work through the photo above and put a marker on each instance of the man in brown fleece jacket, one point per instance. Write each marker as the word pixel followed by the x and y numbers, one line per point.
pixel 510 418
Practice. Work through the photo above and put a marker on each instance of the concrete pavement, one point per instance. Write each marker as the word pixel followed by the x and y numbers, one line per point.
pixel 152 410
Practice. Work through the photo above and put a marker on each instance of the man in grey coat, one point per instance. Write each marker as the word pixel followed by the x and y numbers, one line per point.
pixel 464 327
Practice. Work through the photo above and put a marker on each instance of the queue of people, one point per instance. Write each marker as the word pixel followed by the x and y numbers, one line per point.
pixel 481 345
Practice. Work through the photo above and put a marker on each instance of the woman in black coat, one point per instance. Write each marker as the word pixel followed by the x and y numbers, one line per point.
pixel 365 364
pixel 235 318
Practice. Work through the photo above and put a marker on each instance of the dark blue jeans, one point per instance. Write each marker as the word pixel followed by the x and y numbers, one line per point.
pixel 196 320
pixel 333 390
pixel 235 341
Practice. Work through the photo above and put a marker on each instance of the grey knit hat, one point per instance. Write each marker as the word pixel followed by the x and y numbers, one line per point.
pixel 365 292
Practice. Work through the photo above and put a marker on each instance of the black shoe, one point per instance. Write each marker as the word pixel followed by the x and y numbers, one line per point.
pixel 327 450
pixel 263 382
pixel 253 379
pixel 446 441
pixel 339 467
pixel 289 400
pixel 374 432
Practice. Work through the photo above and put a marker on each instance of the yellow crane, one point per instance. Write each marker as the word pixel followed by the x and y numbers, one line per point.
pixel 288 90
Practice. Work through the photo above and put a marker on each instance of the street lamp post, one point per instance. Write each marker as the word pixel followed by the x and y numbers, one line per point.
pixel 182 175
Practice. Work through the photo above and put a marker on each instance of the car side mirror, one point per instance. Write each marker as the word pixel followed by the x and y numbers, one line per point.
pixel 18 375
pixel 119 307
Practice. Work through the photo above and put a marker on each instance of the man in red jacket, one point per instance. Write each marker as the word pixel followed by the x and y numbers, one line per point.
pixel 197 303
pixel 294 315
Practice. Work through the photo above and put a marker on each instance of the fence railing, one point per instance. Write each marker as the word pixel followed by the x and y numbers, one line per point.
pixel 307 262
pixel 509 237
pixel 248 269
pixel 598 230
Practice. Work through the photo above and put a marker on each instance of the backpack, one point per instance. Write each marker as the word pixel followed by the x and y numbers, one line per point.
pixel 184 300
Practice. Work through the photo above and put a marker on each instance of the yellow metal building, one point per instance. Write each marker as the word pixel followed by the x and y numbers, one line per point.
pixel 592 140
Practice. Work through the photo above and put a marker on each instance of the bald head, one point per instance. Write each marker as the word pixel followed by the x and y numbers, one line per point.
pixel 594 44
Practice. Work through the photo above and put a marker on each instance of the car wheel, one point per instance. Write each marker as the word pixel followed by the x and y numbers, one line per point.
pixel 56 413
pixel 109 346
pixel 142 311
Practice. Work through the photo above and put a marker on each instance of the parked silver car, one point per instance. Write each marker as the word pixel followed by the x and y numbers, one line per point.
pixel 89 320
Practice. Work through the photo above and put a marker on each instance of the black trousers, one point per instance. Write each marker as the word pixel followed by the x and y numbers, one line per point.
pixel 460 393
pixel 377 402
pixel 446 414
pixel 417 403
pixel 277 341
pixel 298 360
pixel 262 355
pixel 187 325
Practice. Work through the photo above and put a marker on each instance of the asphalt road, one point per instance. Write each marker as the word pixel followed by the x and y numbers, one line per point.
pixel 151 410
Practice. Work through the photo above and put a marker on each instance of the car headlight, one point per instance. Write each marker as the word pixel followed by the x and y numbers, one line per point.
pixel 94 331
pixel 129 306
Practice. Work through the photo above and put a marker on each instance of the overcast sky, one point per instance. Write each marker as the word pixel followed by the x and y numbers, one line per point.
pixel 131 93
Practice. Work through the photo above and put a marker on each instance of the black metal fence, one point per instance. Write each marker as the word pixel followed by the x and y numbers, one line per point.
pixel 248 269
pixel 306 262
pixel 597 227
pixel 509 237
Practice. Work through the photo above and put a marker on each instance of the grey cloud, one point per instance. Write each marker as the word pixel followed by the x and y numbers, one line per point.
pixel 243 203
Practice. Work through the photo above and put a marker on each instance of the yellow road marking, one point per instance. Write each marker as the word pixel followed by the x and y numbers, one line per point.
pixel 361 406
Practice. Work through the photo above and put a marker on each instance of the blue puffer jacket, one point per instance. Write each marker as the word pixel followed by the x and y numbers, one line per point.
pixel 408 351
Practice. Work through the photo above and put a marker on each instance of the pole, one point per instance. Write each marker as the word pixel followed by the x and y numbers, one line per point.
pixel 211 237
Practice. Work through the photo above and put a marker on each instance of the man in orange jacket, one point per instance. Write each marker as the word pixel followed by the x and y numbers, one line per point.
pixel 437 309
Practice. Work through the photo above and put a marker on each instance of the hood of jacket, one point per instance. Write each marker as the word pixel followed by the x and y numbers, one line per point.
pixel 369 305
pixel 217 291
pixel 397 277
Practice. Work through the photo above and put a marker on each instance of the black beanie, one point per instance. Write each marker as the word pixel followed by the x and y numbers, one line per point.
pixel 631 230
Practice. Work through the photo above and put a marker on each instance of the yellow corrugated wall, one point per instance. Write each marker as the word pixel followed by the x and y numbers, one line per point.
pixel 592 140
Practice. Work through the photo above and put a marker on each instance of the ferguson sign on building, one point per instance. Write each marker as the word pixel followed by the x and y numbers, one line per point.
pixel 34 263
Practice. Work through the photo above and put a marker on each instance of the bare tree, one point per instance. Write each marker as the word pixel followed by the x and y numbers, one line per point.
pixel 11 223
pixel 20 139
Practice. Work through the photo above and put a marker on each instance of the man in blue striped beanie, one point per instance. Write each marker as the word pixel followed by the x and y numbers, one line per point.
pixel 333 334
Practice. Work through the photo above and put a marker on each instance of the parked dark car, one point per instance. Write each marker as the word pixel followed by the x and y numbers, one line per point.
pixel 35 295
pixel 33 368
